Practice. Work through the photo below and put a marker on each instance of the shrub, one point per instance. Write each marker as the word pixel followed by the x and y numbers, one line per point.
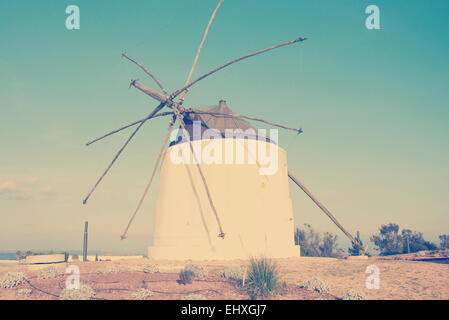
pixel 75 257
pixel 193 296
pixel 49 272
pixel 262 278
pixel 186 276
pixel 85 292
pixel 19 255
pixel 151 268
pixel 24 291
pixel 314 244
pixel 12 279
pixel 317 285
pixel 108 269
pixel 142 294
pixel 234 273
pixel 282 288
pixel 198 270
pixel 354 295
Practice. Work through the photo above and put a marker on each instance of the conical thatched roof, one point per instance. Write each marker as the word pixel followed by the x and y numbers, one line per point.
pixel 216 122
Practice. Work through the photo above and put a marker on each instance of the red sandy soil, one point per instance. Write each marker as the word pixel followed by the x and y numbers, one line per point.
pixel 398 279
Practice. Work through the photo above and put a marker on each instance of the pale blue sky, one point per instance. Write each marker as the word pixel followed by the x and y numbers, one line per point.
pixel 373 105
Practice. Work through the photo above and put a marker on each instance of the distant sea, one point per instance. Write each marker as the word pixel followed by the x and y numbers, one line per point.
pixel 7 256
pixel 12 255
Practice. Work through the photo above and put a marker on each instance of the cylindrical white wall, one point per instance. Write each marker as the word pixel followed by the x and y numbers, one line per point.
pixel 255 210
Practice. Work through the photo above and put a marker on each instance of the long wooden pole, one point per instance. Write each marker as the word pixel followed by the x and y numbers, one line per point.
pixel 181 99
pixel 170 125
pixel 197 111
pixel 177 92
pixel 161 114
pixel 239 116
pixel 221 233
pixel 85 241
pixel 156 110
pixel 146 71
pixel 324 209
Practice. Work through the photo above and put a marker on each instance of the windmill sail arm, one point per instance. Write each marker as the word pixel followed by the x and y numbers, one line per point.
pixel 324 209
pixel 160 114
pixel 181 99
pixel 151 115
pixel 147 188
pixel 151 92
pixel 177 92
pixel 239 116
pixel 211 203
pixel 146 71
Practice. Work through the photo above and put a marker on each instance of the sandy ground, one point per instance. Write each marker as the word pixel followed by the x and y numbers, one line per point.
pixel 399 279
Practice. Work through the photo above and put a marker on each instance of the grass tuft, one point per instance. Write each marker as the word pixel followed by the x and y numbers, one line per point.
pixel 263 278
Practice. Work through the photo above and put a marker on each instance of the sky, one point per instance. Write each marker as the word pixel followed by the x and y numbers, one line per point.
pixel 373 105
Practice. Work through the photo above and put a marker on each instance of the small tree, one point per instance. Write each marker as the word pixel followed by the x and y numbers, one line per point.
pixel 313 244
pixel 444 241
pixel 388 241
pixel 413 241
pixel 329 246
pixel 308 240
pixel 18 255
pixel 355 249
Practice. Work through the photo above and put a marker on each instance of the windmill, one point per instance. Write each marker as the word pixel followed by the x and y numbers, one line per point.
pixel 181 232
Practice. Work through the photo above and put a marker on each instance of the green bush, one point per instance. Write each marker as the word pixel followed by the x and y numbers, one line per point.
pixel 84 292
pixel 263 278
pixel 234 273
pixel 49 272
pixel 198 270
pixel 142 294
pixel 354 295
pixel 151 268
pixel 186 276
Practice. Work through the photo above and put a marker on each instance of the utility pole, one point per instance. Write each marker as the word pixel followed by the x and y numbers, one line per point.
pixel 85 242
